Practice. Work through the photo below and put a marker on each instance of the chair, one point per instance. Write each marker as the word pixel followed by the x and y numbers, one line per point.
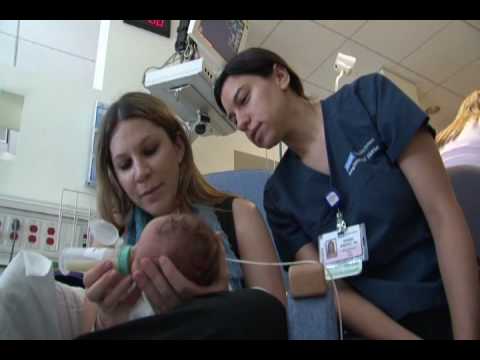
pixel 309 318
pixel 466 184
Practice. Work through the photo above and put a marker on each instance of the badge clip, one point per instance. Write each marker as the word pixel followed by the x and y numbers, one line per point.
pixel 341 224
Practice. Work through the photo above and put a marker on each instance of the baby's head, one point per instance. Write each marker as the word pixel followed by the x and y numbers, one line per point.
pixel 187 241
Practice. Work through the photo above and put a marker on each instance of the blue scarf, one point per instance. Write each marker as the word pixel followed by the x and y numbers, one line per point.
pixel 140 219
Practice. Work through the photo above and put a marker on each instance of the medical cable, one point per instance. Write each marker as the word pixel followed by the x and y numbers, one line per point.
pixel 169 61
pixel 189 52
pixel 12 249
pixel 15 225
pixel 299 262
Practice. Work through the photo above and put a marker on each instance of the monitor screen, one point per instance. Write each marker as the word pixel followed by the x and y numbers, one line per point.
pixel 219 40
pixel 223 35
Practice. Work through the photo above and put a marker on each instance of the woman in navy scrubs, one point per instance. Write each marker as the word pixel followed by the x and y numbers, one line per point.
pixel 372 146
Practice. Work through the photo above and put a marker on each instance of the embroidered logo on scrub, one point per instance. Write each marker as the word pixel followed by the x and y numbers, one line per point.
pixel 356 157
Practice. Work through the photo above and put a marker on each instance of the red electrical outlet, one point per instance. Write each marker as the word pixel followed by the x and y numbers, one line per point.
pixel 49 236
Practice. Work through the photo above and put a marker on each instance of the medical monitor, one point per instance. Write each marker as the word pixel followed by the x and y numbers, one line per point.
pixel 219 40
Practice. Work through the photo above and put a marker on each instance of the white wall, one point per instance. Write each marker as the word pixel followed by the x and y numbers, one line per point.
pixel 54 71
pixel 217 153
pixel 52 147
pixel 55 76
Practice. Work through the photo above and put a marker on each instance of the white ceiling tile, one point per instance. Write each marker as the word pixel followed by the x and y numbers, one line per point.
pixel 314 91
pixel 303 43
pixel 397 39
pixel 455 46
pixel 423 85
pixel 465 81
pixel 258 30
pixel 344 27
pixel 7 49
pixel 448 104
pixel 78 37
pixel 475 23
pixel 367 62
pixel 9 26
pixel 325 75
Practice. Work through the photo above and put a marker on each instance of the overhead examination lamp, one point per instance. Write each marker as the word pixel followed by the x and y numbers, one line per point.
pixel 203 47
pixel 185 81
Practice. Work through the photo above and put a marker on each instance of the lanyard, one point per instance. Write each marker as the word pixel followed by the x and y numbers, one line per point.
pixel 333 199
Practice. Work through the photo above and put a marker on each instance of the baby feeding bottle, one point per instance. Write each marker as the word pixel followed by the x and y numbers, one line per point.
pixel 77 259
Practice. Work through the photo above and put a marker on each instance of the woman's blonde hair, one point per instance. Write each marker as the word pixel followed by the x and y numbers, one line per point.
pixel 468 111
pixel 113 203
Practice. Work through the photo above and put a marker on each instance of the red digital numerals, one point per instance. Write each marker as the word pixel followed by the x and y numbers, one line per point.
pixel 157 23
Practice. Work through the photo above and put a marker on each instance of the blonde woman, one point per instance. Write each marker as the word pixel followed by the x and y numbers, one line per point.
pixel 459 143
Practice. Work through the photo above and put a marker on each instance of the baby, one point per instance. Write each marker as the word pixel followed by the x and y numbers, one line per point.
pixel 191 245
pixel 187 241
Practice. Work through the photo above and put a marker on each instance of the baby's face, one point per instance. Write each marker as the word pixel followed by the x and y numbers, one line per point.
pixel 150 245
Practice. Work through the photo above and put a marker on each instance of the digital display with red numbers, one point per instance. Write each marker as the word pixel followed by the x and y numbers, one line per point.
pixel 157 23
pixel 161 27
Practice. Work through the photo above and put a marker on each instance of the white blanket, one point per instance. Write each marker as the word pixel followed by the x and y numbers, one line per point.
pixel 35 306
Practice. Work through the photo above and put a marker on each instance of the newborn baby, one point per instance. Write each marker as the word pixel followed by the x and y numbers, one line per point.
pixel 187 241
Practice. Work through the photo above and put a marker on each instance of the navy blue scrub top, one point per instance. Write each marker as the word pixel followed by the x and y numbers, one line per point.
pixel 368 124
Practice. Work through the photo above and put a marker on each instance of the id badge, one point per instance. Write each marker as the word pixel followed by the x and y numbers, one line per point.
pixel 342 255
